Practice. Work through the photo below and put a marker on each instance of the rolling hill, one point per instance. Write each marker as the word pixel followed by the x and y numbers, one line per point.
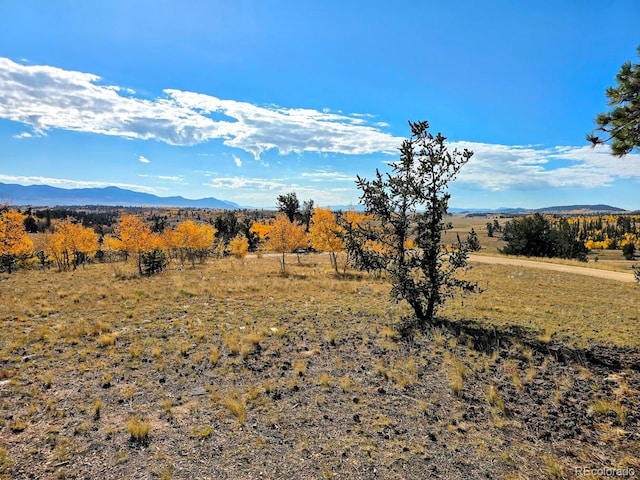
pixel 45 195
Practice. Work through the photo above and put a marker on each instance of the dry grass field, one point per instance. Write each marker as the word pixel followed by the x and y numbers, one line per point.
pixel 598 259
pixel 230 370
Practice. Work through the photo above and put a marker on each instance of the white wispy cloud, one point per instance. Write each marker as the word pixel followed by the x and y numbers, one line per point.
pixel 239 183
pixel 46 97
pixel 69 183
pixel 509 167
pixel 322 175
pixel 23 135
pixel 176 178
pixel 258 191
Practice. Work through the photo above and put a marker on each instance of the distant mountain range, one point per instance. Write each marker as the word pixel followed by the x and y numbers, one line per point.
pixel 47 196
pixel 582 208
pixel 574 209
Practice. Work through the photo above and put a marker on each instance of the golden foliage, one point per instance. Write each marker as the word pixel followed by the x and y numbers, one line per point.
pixel 13 236
pixel 261 229
pixel 190 240
pixel 131 235
pixel 324 231
pixel 69 243
pixel 281 236
pixel 324 234
pixel 239 246
pixel 285 236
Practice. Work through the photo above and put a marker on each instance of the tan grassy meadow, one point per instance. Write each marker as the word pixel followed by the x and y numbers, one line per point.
pixel 599 259
pixel 231 370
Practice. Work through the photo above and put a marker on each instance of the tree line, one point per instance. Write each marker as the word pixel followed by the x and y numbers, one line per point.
pixel 67 243
pixel 570 237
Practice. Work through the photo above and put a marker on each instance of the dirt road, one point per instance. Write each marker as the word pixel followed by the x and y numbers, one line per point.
pixel 593 272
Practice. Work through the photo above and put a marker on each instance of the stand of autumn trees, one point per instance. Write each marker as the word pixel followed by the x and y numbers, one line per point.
pixel 70 244
pixel 328 229
pixel 152 241
pixel 282 236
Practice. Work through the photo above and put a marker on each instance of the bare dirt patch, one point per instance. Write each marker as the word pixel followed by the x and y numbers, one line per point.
pixel 592 272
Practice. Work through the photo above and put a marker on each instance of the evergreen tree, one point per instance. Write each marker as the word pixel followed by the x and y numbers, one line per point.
pixel 227 226
pixel 408 203
pixel 473 241
pixel 152 262
pixel 489 229
pixel 531 236
pixel 30 225
pixel 622 124
pixel 289 205
pixel 535 236
pixel 307 213
pixel 629 250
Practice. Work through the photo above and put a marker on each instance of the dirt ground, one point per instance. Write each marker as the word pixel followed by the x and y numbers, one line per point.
pixel 593 272
pixel 242 373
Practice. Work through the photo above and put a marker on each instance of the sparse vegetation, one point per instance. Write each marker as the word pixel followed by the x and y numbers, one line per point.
pixel 138 430
pixel 237 405
pixel 494 398
pixel 326 376
pixel 405 241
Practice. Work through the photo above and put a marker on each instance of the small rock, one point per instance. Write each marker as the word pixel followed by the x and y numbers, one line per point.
pixel 198 391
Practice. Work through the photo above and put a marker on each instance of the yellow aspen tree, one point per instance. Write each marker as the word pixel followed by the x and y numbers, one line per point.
pixel 191 240
pixel 261 229
pixel 84 242
pixel 281 236
pixel 71 243
pixel 14 240
pixel 324 234
pixel 40 242
pixel 54 247
pixel 239 246
pixel 203 241
pixel 299 238
pixel 133 237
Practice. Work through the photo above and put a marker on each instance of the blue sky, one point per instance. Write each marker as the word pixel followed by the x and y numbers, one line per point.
pixel 246 100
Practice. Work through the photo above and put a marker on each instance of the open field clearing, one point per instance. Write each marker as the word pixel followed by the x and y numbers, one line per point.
pixel 607 260
pixel 230 370
pixel 598 259
pixel 580 311
pixel 558 267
